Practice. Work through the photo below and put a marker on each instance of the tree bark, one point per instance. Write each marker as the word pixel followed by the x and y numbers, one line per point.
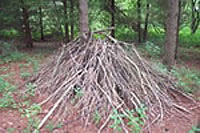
pixel 195 17
pixel 41 25
pixel 146 21
pixel 171 32
pixel 113 17
pixel 72 18
pixel 178 26
pixel 66 23
pixel 139 20
pixel 27 29
pixel 58 17
pixel 83 16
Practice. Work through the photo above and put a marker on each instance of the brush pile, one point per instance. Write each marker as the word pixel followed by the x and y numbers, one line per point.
pixel 102 75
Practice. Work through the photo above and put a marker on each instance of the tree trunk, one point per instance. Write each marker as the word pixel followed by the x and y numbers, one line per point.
pixel 113 17
pixel 41 25
pixel 27 29
pixel 58 17
pixel 146 22
pixel 66 23
pixel 171 32
pixel 72 18
pixel 83 16
pixel 195 17
pixel 178 25
pixel 139 20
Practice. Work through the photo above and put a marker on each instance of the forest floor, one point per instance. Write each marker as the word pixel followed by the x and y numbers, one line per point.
pixel 20 116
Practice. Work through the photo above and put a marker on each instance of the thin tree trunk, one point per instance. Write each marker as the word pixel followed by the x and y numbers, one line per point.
pixel 41 25
pixel 113 17
pixel 83 16
pixel 193 15
pixel 146 21
pixel 171 32
pixel 72 18
pixel 178 26
pixel 58 17
pixel 27 29
pixel 66 23
pixel 139 20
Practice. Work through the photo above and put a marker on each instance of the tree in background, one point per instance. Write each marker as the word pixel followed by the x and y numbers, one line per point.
pixel 83 16
pixel 41 24
pixel 72 18
pixel 171 32
pixel 113 17
pixel 26 25
pixel 139 17
pixel 195 5
pixel 66 21
pixel 146 21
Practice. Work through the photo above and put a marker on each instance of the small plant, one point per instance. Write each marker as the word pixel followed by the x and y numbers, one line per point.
pixel 136 122
pixel 30 89
pixel 187 79
pixel 10 130
pixel 135 119
pixel 152 49
pixel 194 129
pixel 97 117
pixel 31 113
pixel 25 75
pixel 50 126
pixel 117 120
pixel 34 63
pixel 7 101
pixel 78 92
pixel 10 53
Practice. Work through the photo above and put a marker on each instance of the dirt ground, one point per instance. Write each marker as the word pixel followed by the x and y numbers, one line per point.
pixel 12 121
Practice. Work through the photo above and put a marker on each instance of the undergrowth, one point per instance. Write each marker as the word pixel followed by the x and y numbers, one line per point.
pixel 9 53
pixel 186 79
pixel 135 119
pixel 6 98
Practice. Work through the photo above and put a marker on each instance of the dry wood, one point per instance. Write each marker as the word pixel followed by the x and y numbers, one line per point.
pixel 100 75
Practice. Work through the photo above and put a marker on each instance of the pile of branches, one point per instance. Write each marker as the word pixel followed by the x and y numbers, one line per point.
pixel 101 75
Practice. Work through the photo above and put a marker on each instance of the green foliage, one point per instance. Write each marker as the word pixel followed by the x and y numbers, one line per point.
pixel 25 75
pixel 188 80
pixel 9 53
pixel 9 33
pixel 31 114
pixel 97 117
pixel 136 122
pixel 135 119
pixel 10 130
pixel 189 40
pixel 194 129
pixel 6 100
pixel 30 89
pixel 117 120
pixel 78 92
pixel 152 49
pixel 50 126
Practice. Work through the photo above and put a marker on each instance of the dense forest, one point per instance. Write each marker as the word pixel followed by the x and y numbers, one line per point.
pixel 99 66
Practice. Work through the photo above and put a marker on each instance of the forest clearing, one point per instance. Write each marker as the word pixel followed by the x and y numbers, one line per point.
pixel 105 66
